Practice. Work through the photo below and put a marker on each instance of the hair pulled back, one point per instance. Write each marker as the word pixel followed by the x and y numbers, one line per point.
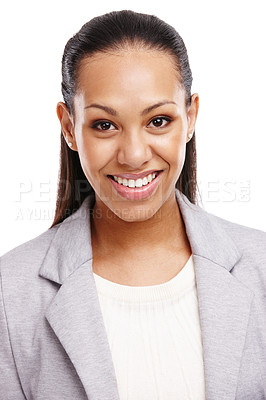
pixel 114 31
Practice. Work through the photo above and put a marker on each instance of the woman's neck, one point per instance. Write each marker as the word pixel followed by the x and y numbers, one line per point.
pixel 140 253
pixel 164 227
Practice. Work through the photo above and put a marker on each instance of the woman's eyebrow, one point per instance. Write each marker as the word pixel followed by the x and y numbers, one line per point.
pixel 111 111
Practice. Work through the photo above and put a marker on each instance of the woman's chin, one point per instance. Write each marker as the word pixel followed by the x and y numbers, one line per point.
pixel 135 214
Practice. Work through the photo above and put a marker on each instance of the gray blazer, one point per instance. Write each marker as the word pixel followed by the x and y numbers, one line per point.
pixel 53 341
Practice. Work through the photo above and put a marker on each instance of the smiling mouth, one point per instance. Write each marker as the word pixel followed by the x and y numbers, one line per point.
pixel 138 189
pixel 135 183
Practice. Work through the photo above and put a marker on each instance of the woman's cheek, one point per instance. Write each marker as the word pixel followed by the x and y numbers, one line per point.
pixel 97 153
pixel 172 148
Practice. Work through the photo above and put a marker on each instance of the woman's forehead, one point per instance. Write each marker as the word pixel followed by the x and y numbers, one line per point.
pixel 128 72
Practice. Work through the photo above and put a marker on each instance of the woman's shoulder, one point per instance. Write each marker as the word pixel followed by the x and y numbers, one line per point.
pixel 215 227
pixel 244 236
pixel 28 255
pixel 249 241
pixel 200 216
pixel 251 246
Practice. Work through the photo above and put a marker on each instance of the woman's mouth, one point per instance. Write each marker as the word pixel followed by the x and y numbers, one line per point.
pixel 135 187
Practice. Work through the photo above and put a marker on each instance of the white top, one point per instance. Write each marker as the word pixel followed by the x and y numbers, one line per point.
pixel 155 338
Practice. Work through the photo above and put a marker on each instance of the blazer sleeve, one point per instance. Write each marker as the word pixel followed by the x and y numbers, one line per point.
pixel 10 387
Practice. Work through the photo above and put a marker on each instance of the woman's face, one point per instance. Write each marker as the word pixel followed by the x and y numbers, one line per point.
pixel 130 129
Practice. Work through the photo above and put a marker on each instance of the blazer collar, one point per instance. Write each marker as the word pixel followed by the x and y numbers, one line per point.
pixel 71 244
pixel 75 314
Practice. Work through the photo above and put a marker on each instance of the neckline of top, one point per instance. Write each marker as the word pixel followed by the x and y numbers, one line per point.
pixel 176 286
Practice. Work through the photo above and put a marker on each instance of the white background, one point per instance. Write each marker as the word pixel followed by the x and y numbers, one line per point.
pixel 226 47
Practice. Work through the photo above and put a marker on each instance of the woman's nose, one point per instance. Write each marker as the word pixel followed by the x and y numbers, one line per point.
pixel 134 151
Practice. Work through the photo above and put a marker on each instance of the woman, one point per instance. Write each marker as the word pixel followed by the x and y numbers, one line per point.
pixel 135 292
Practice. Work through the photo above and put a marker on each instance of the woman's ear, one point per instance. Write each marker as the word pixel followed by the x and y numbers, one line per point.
pixel 192 114
pixel 67 125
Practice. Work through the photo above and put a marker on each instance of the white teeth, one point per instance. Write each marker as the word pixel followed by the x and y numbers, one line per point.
pixel 145 181
pixel 138 183
pixel 131 183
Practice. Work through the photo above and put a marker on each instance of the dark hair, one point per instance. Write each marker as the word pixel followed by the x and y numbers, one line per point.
pixel 116 30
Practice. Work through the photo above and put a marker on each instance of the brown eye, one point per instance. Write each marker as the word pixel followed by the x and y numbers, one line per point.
pixel 103 126
pixel 159 122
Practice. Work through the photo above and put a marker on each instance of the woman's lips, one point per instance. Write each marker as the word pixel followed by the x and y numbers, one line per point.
pixel 136 193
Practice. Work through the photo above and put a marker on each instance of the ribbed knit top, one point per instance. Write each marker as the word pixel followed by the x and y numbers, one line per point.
pixel 154 337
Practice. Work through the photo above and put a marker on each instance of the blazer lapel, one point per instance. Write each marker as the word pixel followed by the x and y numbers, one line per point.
pixel 74 314
pixel 224 302
pixel 224 305
pixel 75 317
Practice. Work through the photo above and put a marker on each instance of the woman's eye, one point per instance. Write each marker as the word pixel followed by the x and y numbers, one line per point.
pixel 103 126
pixel 159 122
